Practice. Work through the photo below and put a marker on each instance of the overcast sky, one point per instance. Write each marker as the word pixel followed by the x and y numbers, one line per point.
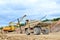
pixel 34 9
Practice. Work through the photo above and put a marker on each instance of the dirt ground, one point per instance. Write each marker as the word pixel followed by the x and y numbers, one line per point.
pixel 51 36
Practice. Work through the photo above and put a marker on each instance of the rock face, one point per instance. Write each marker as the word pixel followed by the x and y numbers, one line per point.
pixel 56 27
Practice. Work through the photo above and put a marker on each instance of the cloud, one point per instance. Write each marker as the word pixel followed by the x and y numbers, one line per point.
pixel 34 9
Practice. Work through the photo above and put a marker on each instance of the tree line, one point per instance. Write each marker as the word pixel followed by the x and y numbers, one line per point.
pixel 55 19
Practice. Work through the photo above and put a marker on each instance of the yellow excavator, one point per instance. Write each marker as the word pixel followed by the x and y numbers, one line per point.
pixel 11 26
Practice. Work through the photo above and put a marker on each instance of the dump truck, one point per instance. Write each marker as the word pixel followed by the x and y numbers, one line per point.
pixel 37 27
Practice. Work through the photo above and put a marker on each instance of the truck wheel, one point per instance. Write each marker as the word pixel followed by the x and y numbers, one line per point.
pixel 27 31
pixel 37 30
pixel 46 31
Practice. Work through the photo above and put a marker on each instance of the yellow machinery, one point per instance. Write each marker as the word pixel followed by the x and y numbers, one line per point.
pixel 37 27
pixel 11 26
